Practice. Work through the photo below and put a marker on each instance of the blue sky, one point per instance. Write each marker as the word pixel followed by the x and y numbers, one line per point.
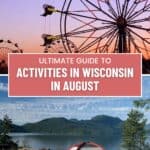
pixel 23 110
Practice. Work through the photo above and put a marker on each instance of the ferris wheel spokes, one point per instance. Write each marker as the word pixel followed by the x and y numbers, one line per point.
pixel 122 18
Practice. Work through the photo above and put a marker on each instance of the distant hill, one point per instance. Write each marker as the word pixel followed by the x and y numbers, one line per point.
pixel 97 126
pixel 15 128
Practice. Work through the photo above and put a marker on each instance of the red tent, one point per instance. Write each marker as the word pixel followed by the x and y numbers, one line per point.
pixel 86 146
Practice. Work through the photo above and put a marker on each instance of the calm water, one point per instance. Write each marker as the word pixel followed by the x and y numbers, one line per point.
pixel 37 141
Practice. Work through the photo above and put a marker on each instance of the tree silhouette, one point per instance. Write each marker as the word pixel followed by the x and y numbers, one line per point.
pixel 6 128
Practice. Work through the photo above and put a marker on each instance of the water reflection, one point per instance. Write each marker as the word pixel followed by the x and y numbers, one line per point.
pixel 38 141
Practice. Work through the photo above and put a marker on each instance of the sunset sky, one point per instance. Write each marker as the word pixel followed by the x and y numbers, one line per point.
pixel 21 22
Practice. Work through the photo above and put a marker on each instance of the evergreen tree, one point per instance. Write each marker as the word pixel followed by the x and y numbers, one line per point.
pixel 134 135
pixel 142 104
pixel 6 128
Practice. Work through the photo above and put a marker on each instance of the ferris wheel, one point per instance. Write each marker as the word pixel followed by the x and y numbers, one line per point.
pixel 100 26
pixel 7 46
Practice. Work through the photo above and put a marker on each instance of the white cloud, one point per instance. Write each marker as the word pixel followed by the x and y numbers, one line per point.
pixel 3 87
pixel 34 110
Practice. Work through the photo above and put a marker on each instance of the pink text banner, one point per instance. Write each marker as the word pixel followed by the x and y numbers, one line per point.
pixel 49 75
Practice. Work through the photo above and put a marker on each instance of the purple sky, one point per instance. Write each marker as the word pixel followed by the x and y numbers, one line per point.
pixel 21 22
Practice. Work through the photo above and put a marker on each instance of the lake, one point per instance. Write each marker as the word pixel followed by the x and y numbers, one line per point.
pixel 38 141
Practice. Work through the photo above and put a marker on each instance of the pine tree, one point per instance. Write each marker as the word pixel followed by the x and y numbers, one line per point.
pixel 6 128
pixel 134 135
pixel 142 104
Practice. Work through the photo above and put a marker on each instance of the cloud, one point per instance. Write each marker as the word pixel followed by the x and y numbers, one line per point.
pixel 35 109
pixel 3 87
pixel 32 110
